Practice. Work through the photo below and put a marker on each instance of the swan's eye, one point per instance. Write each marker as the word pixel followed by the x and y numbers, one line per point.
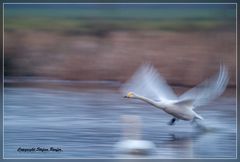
pixel 130 94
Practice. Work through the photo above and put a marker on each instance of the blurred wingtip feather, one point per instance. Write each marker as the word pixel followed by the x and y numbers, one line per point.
pixel 147 82
pixel 209 89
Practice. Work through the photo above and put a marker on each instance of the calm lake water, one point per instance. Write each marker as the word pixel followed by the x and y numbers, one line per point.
pixel 87 124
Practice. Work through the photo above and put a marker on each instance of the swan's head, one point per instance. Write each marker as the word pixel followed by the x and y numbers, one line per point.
pixel 130 95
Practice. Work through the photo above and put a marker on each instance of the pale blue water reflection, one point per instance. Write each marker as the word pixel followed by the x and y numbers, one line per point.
pixel 87 124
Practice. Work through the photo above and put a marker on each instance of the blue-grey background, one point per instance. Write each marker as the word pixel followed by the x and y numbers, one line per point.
pixel 64 97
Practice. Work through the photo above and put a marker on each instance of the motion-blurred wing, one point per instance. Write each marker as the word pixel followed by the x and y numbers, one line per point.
pixel 148 83
pixel 209 89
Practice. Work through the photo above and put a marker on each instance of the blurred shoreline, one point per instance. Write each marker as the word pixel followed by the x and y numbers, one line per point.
pixel 81 85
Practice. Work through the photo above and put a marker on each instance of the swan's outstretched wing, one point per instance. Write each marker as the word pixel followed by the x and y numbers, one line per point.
pixel 148 83
pixel 209 89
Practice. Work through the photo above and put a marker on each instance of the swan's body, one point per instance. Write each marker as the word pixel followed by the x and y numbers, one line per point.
pixel 147 85
pixel 180 110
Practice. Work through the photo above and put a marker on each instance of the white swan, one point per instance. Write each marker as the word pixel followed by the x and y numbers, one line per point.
pixel 147 85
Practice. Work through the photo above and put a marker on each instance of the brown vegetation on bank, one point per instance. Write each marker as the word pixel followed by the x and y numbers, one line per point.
pixel 184 58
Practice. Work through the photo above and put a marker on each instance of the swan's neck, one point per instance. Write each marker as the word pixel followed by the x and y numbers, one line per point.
pixel 149 101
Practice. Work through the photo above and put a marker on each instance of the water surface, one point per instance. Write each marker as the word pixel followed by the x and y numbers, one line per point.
pixel 87 124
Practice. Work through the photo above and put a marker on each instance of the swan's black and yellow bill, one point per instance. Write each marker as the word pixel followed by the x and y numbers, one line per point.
pixel 129 95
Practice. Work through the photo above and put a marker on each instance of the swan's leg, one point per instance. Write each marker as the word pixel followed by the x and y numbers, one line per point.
pixel 194 121
pixel 197 124
pixel 172 121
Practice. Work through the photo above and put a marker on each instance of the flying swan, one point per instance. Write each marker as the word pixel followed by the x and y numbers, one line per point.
pixel 149 86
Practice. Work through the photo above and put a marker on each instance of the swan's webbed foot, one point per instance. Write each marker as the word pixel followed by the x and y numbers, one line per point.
pixel 172 121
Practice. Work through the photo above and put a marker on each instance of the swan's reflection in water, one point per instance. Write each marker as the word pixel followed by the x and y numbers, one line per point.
pixel 132 145
pixel 194 144
pixel 178 143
